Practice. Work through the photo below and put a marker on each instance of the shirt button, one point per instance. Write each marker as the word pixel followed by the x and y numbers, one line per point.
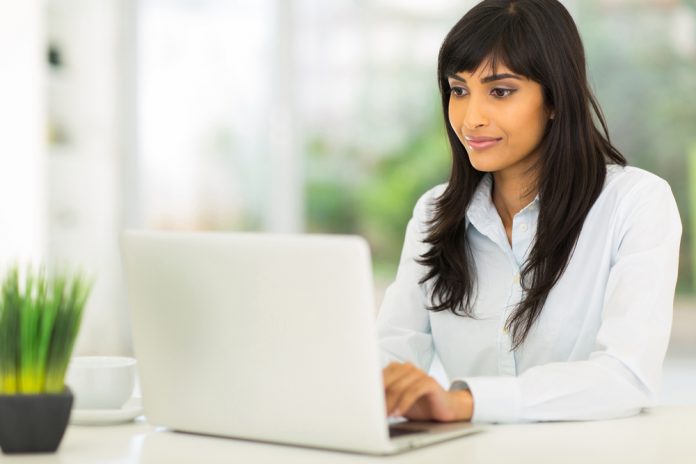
pixel 516 279
pixel 523 227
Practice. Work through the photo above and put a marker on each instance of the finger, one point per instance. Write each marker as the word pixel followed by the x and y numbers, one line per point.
pixel 395 371
pixel 416 391
pixel 389 371
pixel 400 374
pixel 396 389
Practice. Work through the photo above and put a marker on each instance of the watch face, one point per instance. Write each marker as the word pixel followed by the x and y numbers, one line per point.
pixel 459 385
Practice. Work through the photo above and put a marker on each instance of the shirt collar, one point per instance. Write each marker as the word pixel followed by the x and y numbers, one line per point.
pixel 481 211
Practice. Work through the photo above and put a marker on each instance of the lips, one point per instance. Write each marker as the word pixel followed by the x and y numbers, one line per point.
pixel 481 143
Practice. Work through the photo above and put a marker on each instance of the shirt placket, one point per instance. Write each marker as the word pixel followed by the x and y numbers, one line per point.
pixel 522 232
pixel 485 217
pixel 506 357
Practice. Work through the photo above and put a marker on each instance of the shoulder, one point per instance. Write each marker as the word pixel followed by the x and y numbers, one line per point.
pixel 633 195
pixel 629 183
pixel 425 205
pixel 424 209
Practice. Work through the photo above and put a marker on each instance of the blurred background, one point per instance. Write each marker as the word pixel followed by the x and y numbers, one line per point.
pixel 286 116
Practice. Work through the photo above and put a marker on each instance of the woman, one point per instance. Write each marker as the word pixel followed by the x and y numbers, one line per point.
pixel 543 273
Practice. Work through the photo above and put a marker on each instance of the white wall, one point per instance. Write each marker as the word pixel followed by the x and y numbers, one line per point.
pixel 86 166
pixel 62 202
pixel 22 131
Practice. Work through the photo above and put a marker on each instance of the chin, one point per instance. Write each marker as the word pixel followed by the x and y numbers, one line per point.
pixel 484 165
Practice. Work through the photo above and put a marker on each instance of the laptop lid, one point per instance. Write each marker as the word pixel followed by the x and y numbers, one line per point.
pixel 257 336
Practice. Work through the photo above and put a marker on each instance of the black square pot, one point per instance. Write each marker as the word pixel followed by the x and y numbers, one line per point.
pixel 34 423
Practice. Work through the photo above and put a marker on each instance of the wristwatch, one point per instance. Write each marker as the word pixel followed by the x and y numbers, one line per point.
pixel 459 385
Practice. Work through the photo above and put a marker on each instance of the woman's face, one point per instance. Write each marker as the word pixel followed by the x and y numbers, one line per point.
pixel 506 109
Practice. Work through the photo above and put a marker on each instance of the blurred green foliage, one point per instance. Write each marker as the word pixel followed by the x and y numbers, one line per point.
pixel 644 84
pixel 352 193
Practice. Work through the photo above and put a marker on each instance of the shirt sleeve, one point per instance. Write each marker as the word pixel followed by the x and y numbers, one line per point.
pixel 623 374
pixel 403 324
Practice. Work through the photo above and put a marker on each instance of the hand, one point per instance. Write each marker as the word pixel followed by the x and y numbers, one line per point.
pixel 413 394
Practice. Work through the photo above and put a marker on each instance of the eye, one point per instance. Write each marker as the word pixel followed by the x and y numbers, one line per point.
pixel 457 91
pixel 497 91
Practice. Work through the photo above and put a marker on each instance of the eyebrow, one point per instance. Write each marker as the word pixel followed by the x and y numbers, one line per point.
pixel 494 77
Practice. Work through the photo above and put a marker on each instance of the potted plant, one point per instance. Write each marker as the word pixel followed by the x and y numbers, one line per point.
pixel 40 317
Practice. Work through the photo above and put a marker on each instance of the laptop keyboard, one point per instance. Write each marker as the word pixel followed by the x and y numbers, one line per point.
pixel 398 432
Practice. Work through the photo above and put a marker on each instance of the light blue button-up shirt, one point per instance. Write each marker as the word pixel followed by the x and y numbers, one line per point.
pixel 597 348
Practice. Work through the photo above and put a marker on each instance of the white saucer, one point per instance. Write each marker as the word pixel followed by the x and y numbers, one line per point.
pixel 132 409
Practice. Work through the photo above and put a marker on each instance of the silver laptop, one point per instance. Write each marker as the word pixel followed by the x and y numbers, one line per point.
pixel 263 337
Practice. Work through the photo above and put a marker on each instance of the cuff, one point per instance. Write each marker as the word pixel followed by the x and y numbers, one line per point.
pixel 496 399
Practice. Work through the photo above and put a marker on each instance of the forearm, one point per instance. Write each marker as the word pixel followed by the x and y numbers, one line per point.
pixel 579 390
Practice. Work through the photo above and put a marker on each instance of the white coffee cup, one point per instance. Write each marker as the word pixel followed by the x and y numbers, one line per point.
pixel 101 382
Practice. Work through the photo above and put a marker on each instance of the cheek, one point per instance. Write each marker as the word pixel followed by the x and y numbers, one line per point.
pixel 525 125
pixel 455 119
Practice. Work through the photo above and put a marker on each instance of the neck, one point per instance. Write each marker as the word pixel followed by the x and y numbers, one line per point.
pixel 512 191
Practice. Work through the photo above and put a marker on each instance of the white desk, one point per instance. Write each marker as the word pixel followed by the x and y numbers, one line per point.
pixel 664 435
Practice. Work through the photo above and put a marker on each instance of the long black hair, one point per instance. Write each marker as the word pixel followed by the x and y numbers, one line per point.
pixel 539 40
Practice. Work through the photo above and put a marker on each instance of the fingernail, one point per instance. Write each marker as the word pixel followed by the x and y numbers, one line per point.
pixel 396 413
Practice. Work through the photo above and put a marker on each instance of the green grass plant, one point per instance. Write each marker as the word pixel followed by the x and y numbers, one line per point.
pixel 40 316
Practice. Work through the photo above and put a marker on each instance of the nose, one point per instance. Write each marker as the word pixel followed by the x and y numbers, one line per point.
pixel 474 114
